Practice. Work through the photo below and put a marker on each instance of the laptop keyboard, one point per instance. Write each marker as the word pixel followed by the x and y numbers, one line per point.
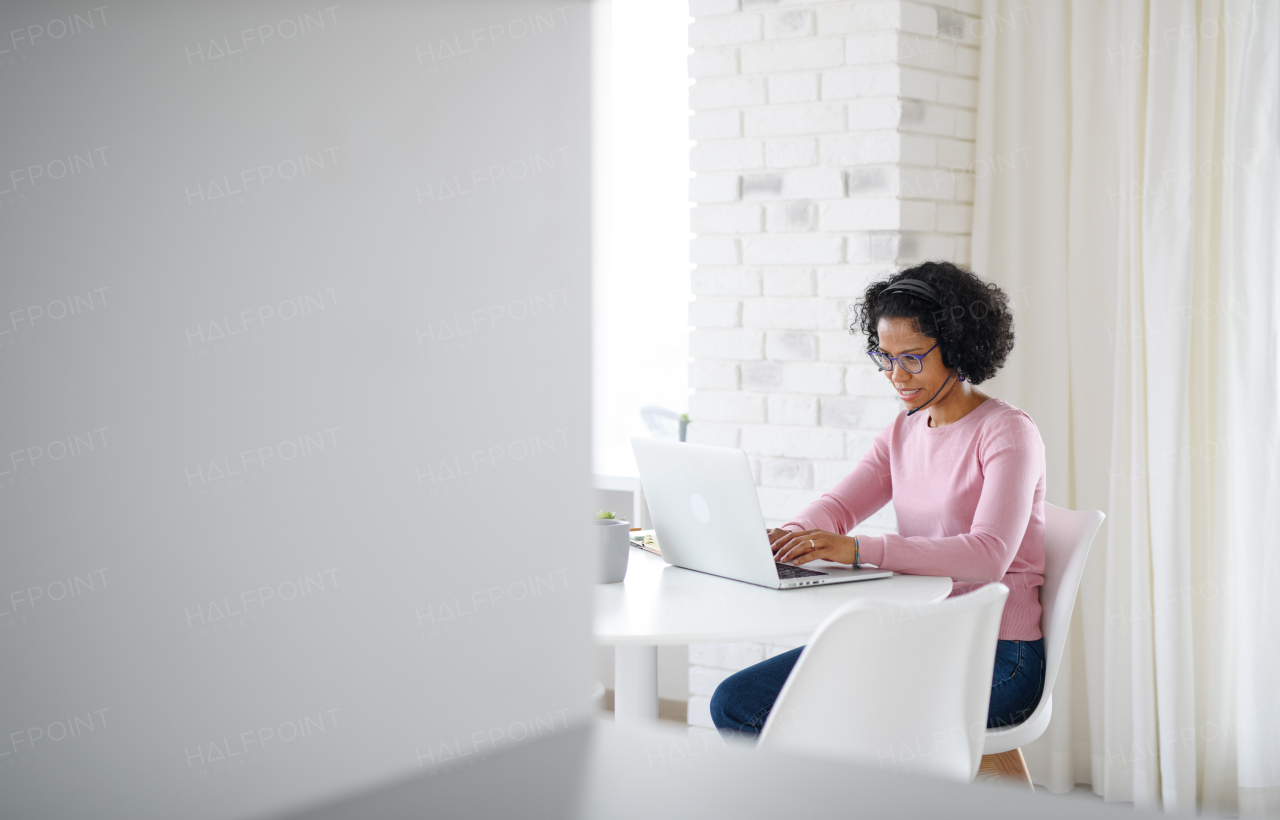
pixel 788 571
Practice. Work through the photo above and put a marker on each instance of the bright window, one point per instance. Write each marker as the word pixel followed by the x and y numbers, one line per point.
pixel 642 269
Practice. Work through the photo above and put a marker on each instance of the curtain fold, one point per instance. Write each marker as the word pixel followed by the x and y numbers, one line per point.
pixel 1139 240
pixel 1251 351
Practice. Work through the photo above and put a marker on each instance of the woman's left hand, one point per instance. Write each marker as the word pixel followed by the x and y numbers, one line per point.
pixel 801 547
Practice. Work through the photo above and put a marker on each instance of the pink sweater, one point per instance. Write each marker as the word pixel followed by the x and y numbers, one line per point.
pixel 970 503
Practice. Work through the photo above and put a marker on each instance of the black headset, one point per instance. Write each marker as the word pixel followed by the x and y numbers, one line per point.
pixel 922 290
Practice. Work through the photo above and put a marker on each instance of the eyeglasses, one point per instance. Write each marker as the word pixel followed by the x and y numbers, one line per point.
pixel 910 362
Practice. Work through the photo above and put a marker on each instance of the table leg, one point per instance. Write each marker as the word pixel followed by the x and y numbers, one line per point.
pixel 635 683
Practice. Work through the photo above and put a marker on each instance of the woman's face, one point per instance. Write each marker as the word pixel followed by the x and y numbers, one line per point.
pixel 898 335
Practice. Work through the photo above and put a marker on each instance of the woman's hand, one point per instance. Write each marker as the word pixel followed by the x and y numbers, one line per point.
pixel 775 534
pixel 801 547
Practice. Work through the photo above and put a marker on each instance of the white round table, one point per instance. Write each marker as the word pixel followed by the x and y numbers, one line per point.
pixel 659 604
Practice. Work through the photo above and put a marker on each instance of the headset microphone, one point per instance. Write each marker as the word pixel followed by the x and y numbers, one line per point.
pixel 935 395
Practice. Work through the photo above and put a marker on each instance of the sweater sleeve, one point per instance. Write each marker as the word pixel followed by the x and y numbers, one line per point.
pixel 854 498
pixel 1012 458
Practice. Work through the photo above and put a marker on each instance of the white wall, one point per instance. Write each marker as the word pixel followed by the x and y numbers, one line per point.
pixel 295 429
pixel 642 212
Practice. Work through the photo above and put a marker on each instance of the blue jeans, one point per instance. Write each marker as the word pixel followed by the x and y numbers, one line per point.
pixel 742 702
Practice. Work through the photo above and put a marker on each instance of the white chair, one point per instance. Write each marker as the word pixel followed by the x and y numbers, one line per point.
pixel 905 688
pixel 662 423
pixel 1067 536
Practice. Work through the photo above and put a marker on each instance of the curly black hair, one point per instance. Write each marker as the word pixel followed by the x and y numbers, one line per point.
pixel 974 325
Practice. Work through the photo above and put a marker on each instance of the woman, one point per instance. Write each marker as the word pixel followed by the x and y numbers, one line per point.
pixel 965 473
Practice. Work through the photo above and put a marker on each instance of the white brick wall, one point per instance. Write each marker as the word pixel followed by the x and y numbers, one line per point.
pixel 834 144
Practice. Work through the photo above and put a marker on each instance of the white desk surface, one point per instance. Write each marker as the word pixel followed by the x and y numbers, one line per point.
pixel 659 604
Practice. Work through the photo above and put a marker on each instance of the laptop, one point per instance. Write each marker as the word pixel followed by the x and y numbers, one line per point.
pixel 707 517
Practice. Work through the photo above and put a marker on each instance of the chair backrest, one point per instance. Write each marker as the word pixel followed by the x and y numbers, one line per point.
pixel 905 688
pixel 1067 536
pixel 662 423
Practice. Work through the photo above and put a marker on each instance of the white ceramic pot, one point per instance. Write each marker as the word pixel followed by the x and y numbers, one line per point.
pixel 614 550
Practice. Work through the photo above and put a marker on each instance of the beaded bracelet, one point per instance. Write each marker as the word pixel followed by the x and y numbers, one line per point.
pixel 856 565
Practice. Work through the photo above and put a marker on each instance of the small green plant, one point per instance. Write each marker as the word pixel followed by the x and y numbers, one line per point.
pixel 684 416
pixel 605 514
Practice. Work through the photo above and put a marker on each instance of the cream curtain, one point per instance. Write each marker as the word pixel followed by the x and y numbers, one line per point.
pixel 1128 197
